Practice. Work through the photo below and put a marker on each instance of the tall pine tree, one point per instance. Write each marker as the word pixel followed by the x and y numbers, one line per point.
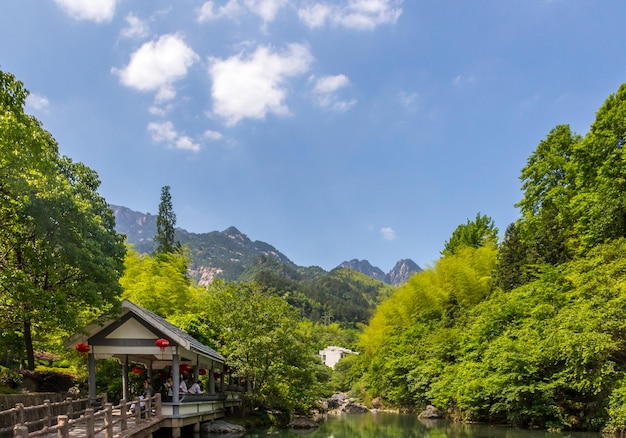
pixel 166 226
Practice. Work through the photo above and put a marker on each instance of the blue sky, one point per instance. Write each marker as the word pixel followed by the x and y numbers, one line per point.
pixel 332 130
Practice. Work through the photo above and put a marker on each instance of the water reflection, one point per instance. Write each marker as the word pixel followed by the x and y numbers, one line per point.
pixel 387 425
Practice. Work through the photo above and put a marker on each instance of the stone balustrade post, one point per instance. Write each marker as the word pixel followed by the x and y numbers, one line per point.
pixel 64 426
pixel 158 408
pixel 19 410
pixel 20 432
pixel 47 416
pixel 123 414
pixel 108 420
pixel 89 423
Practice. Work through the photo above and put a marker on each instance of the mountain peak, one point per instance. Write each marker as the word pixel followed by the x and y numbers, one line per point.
pixel 400 273
pixel 364 267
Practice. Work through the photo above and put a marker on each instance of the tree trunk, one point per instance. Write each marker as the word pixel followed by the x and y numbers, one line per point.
pixel 28 341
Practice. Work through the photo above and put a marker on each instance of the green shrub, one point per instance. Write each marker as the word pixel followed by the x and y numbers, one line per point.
pixel 9 378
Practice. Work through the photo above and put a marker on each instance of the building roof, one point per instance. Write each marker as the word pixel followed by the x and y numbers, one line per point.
pixel 134 333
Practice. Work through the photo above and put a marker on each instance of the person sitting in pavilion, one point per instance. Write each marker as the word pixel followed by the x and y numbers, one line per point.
pixel 183 385
pixel 196 388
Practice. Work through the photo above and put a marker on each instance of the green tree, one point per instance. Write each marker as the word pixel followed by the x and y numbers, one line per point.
pixel 260 335
pixel 474 234
pixel 599 201
pixel 160 284
pixel 512 270
pixel 59 253
pixel 166 225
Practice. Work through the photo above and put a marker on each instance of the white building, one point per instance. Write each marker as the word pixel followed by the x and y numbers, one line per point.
pixel 331 355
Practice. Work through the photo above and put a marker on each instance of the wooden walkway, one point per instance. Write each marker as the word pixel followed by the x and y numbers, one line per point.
pixel 105 421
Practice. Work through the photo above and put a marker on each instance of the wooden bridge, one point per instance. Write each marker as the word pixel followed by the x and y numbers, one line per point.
pixel 99 419
pixel 84 418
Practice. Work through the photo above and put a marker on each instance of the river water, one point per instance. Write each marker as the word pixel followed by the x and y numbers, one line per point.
pixel 389 425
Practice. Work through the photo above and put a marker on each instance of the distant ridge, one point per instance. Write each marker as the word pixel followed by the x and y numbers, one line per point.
pixel 229 253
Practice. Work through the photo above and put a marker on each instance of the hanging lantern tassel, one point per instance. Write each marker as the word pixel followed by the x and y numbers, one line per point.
pixel 82 348
pixel 162 344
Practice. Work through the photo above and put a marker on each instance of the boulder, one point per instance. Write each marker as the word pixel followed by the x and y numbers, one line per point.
pixel 222 428
pixel 376 402
pixel 353 408
pixel 337 400
pixel 303 423
pixel 430 412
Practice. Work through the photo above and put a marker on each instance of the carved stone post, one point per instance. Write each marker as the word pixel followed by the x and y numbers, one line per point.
pixel 20 432
pixel 47 419
pixel 20 413
pixel 89 423
pixel 123 414
pixel 64 427
pixel 108 420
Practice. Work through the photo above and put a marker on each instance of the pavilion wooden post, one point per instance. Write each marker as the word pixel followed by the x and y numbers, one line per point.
pixel 92 375
pixel 125 394
pixel 175 379
pixel 212 381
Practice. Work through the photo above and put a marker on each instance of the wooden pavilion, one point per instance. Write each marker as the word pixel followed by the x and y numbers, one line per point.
pixel 138 336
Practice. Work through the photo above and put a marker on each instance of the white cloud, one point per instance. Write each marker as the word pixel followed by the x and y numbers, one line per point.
pixel 93 10
pixel 330 84
pixel 186 143
pixel 325 91
pixel 388 233
pixel 315 15
pixel 252 86
pixel 212 135
pixel 266 9
pixel 409 100
pixel 37 102
pixel 156 65
pixel 353 14
pixel 164 132
pixel 207 12
pixel 137 28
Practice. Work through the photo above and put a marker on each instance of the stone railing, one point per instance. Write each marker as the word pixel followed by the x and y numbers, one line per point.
pixel 98 417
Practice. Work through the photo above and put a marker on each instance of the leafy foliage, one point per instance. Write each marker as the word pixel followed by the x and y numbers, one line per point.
pixel 60 257
pixel 260 336
pixel 158 283
pixel 479 232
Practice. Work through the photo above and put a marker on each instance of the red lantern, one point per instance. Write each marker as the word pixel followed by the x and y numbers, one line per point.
pixel 82 348
pixel 184 368
pixel 137 370
pixel 202 371
pixel 216 375
pixel 162 343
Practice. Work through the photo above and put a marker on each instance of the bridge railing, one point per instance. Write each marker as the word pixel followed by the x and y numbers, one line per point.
pixel 44 415
pixel 95 419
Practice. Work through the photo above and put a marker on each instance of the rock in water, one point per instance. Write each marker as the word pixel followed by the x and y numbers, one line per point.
pixel 430 412
pixel 353 408
pixel 221 428
pixel 303 423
